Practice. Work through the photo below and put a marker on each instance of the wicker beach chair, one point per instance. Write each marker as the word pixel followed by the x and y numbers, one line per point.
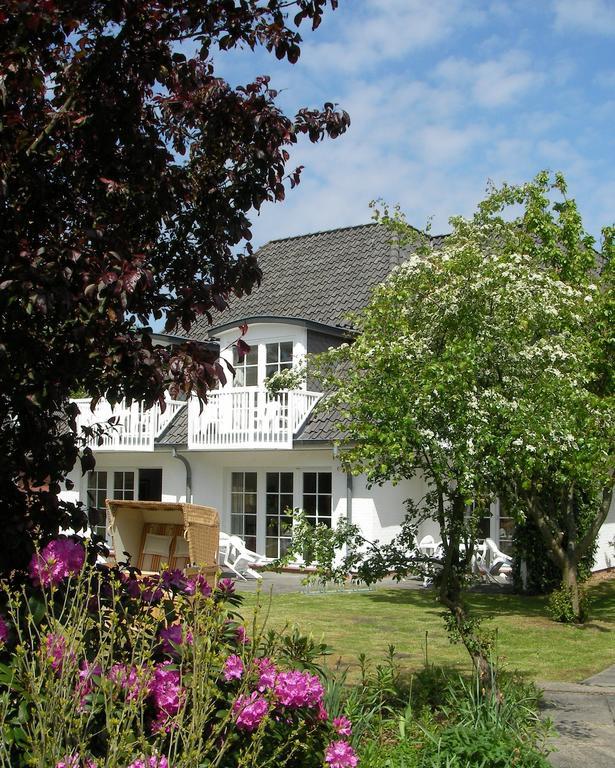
pixel 158 533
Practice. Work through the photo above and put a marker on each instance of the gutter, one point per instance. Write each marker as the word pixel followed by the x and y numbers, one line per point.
pixel 186 464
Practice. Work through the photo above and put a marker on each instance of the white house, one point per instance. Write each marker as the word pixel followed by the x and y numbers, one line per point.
pixel 253 455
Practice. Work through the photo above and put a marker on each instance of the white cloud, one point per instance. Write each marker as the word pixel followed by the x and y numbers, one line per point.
pixel 494 82
pixel 383 31
pixel 594 16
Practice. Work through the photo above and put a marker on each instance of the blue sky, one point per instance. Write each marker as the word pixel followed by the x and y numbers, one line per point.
pixel 443 96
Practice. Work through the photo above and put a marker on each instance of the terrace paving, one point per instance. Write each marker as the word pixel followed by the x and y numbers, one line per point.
pixel 584 717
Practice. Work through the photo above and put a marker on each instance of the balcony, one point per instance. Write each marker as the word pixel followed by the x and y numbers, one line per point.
pixel 248 417
pixel 136 429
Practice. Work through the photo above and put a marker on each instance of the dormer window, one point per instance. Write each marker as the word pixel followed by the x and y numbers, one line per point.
pixel 246 369
pixel 279 357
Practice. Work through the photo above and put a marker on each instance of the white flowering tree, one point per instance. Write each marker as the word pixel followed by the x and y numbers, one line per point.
pixel 484 364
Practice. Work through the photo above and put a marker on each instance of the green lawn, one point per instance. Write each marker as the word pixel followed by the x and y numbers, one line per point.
pixel 528 641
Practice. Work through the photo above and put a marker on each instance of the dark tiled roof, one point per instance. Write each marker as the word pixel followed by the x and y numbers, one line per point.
pixel 319 277
pixel 176 433
pixel 320 425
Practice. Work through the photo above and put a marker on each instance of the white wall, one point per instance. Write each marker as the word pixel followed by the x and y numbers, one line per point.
pixel 605 554
pixel 378 511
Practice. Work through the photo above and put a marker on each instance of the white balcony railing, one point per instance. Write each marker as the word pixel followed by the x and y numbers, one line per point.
pixel 136 429
pixel 248 417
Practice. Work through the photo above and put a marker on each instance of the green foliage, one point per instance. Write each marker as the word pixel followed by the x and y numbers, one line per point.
pixel 287 379
pixel 485 363
pixel 332 552
pixel 451 721
pixel 561 609
pixel 88 668
pixel 543 573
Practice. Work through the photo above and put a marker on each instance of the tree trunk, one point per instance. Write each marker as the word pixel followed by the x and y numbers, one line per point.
pixel 450 591
pixel 570 580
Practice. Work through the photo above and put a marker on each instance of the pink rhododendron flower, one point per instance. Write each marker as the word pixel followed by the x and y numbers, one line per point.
pixel 250 710
pixel 173 636
pixel 233 668
pixel 226 587
pixel 339 754
pixel 85 684
pixel 152 591
pixel 56 561
pixel 155 761
pixel 322 715
pixel 198 585
pixel 173 577
pixel 74 761
pixel 129 680
pixel 298 689
pixel 166 692
pixel 56 652
pixel 241 635
pixel 131 584
pixel 268 673
pixel 4 631
pixel 342 725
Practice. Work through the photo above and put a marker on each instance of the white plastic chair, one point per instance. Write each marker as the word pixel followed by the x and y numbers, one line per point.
pixel 235 556
pixel 495 562
pixel 427 546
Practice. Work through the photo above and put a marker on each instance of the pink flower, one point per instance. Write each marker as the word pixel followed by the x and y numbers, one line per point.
pixel 226 587
pixel 241 635
pixel 198 585
pixel 56 653
pixel 166 691
pixel 250 710
pixel 173 636
pixel 74 761
pixel 152 591
pixel 57 560
pixel 342 725
pixel 155 761
pixel 4 631
pixel 339 754
pixel 298 689
pixel 129 680
pixel 233 668
pixel 131 584
pixel 85 685
pixel 268 673
pixel 174 578
pixel 322 714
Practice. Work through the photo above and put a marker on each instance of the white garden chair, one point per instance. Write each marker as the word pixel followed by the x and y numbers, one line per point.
pixel 236 557
pixel 495 563
pixel 428 547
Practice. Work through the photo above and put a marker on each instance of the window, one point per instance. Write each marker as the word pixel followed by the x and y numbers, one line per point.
pixel 279 356
pixel 124 486
pixel 317 497
pixel 96 496
pixel 246 369
pixel 243 507
pixel 506 528
pixel 279 513
pixel 150 484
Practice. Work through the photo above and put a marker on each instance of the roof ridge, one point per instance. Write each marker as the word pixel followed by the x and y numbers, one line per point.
pixel 322 232
pixel 342 229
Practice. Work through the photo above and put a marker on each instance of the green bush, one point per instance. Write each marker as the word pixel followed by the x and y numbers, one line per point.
pixel 102 667
pixel 450 722
pixel 560 609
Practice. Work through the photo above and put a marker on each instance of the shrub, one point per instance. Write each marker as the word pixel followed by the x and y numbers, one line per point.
pixel 560 608
pixel 102 667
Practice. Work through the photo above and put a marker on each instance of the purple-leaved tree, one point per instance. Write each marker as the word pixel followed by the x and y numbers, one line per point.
pixel 127 173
